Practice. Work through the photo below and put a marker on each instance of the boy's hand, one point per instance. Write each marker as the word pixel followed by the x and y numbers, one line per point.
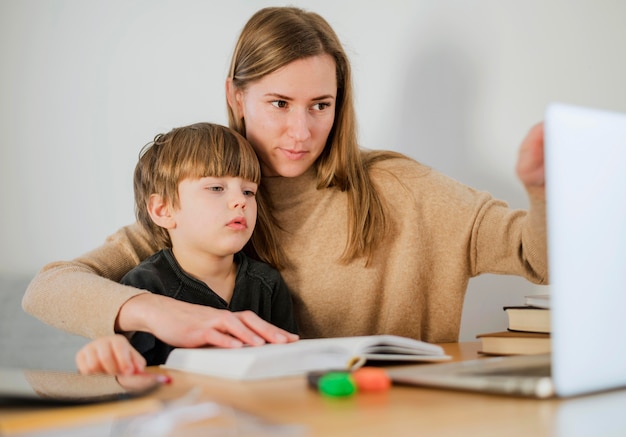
pixel 113 355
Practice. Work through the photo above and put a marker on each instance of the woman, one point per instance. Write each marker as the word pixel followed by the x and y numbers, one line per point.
pixel 368 242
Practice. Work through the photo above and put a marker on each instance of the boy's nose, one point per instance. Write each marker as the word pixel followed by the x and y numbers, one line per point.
pixel 238 201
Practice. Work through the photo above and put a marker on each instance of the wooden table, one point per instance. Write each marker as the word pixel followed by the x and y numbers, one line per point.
pixel 288 406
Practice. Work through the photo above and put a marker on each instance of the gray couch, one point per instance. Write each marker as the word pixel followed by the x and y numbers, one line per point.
pixel 24 340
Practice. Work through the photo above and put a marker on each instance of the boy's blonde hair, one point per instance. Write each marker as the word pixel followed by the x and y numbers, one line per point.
pixel 194 151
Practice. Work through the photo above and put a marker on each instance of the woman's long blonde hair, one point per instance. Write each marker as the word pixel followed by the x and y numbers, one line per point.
pixel 273 38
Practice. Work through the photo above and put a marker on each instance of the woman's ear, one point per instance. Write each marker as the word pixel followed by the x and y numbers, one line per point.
pixel 233 96
pixel 160 212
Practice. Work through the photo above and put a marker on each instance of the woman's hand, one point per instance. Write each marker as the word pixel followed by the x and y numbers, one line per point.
pixel 530 163
pixel 182 324
pixel 113 355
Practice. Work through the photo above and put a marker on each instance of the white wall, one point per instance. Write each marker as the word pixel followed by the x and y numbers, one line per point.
pixel 84 84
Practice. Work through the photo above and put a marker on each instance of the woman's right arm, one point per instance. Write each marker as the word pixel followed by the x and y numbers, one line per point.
pixel 83 296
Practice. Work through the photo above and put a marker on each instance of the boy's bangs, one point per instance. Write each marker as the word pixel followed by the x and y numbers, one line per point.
pixel 227 157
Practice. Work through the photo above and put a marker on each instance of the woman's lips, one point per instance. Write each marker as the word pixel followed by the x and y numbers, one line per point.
pixel 293 155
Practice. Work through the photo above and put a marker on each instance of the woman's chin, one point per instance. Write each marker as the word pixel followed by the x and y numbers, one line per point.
pixel 290 170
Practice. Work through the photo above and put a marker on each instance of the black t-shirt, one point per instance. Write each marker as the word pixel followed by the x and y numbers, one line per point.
pixel 258 287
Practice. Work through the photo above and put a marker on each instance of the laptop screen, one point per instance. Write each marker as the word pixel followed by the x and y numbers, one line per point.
pixel 585 159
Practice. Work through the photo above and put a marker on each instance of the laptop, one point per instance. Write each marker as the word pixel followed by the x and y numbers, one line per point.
pixel 585 166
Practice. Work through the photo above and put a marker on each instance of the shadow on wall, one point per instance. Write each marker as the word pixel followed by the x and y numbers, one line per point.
pixel 439 97
pixel 25 342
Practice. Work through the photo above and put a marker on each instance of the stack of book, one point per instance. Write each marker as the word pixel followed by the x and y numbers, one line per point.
pixel 528 329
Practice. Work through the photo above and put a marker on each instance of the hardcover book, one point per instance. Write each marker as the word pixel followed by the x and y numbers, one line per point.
pixel 515 343
pixel 301 357
pixel 526 318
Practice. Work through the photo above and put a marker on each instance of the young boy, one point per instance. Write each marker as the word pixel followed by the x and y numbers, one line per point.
pixel 195 193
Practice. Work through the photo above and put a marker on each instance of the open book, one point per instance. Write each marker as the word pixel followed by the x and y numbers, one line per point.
pixel 300 357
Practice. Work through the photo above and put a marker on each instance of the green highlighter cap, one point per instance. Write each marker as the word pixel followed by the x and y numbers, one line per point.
pixel 337 384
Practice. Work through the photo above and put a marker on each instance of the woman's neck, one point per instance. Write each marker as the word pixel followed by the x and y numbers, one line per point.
pixel 284 192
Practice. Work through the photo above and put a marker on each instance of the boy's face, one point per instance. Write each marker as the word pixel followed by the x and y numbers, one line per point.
pixel 215 216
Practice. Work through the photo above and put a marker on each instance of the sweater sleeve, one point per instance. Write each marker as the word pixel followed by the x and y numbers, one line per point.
pixel 475 231
pixel 83 296
pixel 508 241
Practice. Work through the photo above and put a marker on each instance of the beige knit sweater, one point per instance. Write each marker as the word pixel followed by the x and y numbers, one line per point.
pixel 442 233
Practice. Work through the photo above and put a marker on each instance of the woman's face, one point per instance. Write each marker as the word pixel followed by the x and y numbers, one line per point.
pixel 289 114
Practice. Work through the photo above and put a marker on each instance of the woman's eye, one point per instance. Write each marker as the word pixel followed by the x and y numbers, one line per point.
pixel 279 103
pixel 321 106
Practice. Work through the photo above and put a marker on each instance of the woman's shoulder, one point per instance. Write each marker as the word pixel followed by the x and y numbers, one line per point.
pixel 393 172
pixel 384 165
pixel 389 160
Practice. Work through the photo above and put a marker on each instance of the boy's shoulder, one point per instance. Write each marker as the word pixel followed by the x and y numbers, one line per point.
pixel 256 269
pixel 156 261
pixel 154 265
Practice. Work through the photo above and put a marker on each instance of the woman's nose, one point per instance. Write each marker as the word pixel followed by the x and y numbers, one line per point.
pixel 299 125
